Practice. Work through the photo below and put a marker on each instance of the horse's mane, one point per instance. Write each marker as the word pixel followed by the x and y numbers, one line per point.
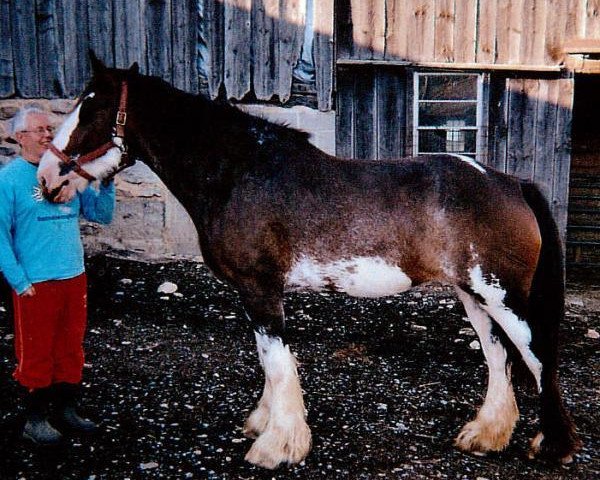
pixel 221 115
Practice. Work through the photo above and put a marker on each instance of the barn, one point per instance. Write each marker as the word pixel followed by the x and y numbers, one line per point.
pixel 511 83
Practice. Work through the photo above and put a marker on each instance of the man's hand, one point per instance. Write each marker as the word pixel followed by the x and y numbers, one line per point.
pixel 30 292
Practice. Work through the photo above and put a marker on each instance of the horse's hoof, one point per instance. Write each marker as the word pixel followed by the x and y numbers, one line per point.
pixel 556 451
pixel 478 438
pixel 276 446
pixel 256 423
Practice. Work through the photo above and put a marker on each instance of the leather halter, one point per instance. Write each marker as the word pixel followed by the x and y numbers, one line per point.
pixel 117 140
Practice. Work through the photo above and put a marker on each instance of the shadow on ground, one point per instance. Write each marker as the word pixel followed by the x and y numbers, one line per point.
pixel 388 385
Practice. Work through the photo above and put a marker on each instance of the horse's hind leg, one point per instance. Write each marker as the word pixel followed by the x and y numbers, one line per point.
pixel 531 323
pixel 279 421
pixel 495 421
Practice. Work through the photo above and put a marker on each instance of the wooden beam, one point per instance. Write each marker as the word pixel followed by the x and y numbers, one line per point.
pixel 582 45
pixel 455 65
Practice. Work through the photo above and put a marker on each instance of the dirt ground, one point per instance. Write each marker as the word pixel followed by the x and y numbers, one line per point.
pixel 389 383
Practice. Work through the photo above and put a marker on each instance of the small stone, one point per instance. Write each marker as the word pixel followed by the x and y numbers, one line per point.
pixel 167 287
pixel 418 328
pixel 126 281
pixel 591 333
pixel 148 466
pixel 474 345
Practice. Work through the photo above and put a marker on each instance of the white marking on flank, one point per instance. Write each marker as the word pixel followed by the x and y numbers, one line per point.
pixel 517 330
pixel 358 277
pixel 470 161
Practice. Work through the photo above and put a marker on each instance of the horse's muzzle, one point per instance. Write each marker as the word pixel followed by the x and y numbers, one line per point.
pixel 52 194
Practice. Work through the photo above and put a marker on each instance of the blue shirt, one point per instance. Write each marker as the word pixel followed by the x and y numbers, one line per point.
pixel 40 240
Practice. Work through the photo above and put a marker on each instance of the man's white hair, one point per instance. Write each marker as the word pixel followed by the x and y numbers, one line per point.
pixel 19 121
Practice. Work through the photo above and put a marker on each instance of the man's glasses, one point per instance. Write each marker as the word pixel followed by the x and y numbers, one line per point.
pixel 41 130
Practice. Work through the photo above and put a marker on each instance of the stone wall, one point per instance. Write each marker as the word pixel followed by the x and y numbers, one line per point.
pixel 149 222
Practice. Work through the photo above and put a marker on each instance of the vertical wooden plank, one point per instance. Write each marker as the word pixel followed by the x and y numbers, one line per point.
pixel 74 30
pixel 562 153
pixel 391 112
pixel 52 82
pixel 576 18
pixel 324 52
pixel 265 38
pixel 183 43
pixel 498 122
pixel 238 40
pixel 158 35
pixel 100 30
pixel 486 33
pixel 533 39
pixel 365 117
pixel 214 21
pixel 445 18
pixel 465 48
pixel 193 39
pixel 557 15
pixel 368 20
pixel 343 28
pixel 7 73
pixel 509 31
pixel 344 114
pixel 130 33
pixel 521 121
pixel 291 35
pixel 545 130
pixel 484 131
pixel 396 45
pixel 592 27
pixel 24 31
pixel 421 30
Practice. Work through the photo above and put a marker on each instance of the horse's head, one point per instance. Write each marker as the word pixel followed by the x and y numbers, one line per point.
pixel 90 143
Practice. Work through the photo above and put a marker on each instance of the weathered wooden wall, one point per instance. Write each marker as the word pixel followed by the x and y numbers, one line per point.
pixel 44 43
pixel 255 44
pixel 527 127
pixel 502 32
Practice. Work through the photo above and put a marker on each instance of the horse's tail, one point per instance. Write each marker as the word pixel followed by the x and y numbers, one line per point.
pixel 547 296
pixel 545 312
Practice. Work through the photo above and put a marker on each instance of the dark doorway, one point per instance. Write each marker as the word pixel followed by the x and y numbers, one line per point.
pixel 583 231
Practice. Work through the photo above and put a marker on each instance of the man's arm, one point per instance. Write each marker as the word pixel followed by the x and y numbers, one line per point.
pixel 9 265
pixel 98 206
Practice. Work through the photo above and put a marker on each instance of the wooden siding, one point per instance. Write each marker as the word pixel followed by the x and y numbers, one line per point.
pixel 527 124
pixel 44 43
pixel 491 32
pixel 371 113
pixel 254 46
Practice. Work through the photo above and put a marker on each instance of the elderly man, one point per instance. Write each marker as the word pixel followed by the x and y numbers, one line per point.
pixel 41 256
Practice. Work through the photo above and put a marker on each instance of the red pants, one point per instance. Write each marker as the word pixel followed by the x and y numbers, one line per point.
pixel 49 330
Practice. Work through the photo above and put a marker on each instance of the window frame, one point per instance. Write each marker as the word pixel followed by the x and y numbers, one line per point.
pixel 479 129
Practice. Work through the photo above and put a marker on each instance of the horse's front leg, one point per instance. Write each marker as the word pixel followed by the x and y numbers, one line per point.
pixel 279 421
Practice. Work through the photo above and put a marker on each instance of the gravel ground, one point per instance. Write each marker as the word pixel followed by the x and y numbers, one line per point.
pixel 388 384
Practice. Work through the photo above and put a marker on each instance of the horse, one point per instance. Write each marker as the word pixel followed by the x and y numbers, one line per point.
pixel 275 214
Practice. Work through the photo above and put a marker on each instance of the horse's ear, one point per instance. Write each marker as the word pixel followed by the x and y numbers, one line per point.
pixel 135 68
pixel 98 67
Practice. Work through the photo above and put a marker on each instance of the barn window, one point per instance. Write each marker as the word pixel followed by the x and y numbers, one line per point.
pixel 447 113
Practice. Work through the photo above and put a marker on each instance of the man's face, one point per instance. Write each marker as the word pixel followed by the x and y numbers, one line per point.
pixel 36 137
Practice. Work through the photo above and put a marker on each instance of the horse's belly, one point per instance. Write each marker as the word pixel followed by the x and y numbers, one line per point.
pixel 358 277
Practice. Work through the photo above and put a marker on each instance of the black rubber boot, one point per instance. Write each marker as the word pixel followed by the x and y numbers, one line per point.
pixel 37 428
pixel 67 396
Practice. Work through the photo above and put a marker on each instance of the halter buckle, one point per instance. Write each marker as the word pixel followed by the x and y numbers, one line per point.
pixel 121 118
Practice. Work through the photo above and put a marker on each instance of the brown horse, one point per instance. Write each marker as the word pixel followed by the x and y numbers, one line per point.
pixel 275 214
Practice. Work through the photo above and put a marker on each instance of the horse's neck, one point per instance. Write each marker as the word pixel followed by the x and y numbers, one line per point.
pixel 194 157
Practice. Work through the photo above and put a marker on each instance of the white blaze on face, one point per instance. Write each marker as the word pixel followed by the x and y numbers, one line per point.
pixel 61 140
pixel 470 161
pixel 517 329
pixel 358 277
